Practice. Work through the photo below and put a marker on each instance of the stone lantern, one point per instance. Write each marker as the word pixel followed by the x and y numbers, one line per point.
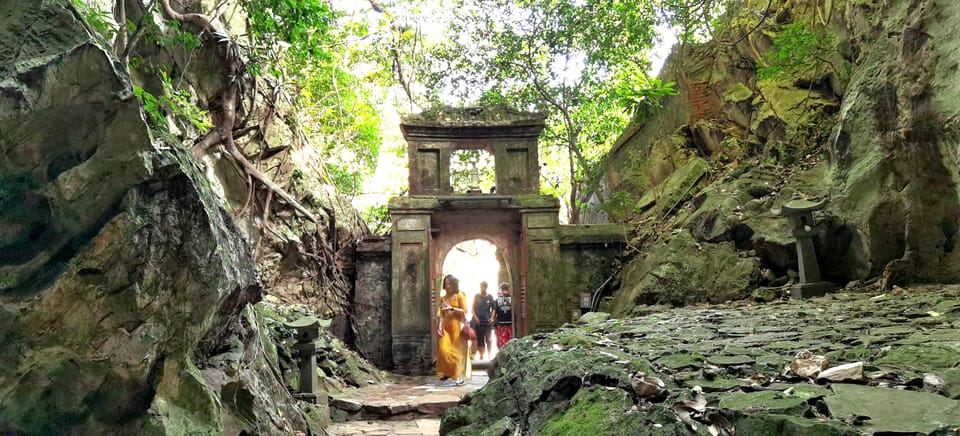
pixel 308 330
pixel 473 174
pixel 800 214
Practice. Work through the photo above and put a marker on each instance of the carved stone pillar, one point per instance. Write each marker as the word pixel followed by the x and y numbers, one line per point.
pixel 410 292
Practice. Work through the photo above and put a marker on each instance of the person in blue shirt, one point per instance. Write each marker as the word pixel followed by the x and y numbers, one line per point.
pixel 483 306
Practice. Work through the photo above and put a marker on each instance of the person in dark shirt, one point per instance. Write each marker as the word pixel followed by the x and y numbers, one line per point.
pixel 483 305
pixel 503 316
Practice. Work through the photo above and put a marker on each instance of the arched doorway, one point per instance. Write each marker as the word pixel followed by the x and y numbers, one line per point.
pixel 434 217
pixel 495 235
pixel 475 263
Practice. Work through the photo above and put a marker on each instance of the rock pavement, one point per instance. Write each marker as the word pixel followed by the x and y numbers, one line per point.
pixel 403 406
pixel 727 368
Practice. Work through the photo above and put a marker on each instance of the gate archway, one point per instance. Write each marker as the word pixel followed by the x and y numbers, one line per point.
pixel 433 218
pixel 500 228
pixel 550 266
pixel 474 261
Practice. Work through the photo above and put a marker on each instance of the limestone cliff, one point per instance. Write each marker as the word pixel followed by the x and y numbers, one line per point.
pixel 853 101
pixel 128 268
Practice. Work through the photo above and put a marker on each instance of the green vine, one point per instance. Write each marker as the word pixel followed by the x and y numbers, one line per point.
pixel 798 51
pixel 100 21
pixel 174 101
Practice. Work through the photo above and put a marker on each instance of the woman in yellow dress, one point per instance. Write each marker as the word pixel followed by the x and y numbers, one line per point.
pixel 451 348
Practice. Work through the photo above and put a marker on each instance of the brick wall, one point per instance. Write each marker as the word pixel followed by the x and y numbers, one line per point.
pixel 703 102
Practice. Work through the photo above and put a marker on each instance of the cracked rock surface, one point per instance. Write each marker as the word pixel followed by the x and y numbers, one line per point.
pixel 726 369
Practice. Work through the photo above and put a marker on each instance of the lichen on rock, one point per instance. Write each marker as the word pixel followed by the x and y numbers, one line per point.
pixel 125 281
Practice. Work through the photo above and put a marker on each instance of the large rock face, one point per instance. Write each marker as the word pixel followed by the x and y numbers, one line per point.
pixel 681 271
pixel 124 285
pixel 870 123
pixel 895 146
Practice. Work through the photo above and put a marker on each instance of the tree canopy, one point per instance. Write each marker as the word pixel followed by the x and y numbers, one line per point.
pixel 343 64
pixel 583 62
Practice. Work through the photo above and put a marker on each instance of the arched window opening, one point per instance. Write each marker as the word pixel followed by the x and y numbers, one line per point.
pixel 472 171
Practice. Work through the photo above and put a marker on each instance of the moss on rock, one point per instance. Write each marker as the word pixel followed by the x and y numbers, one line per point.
pixel 683 271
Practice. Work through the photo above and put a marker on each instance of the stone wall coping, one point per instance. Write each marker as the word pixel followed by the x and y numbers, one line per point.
pixel 373 245
pixel 429 203
pixel 593 234
pixel 479 116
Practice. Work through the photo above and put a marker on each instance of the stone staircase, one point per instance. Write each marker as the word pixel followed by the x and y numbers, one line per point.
pixel 405 406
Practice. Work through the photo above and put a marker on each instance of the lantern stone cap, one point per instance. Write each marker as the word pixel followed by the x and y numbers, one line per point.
pixel 308 322
pixel 798 205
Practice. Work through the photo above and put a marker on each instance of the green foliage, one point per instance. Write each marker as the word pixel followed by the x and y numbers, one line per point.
pixel 556 56
pixel 173 101
pixel 798 51
pixel 304 27
pixel 471 169
pixel 694 20
pixel 642 96
pixel 583 62
pixel 618 203
pixel 300 43
pixel 346 181
pixel 151 107
pixel 177 38
pixel 377 218
pixel 100 21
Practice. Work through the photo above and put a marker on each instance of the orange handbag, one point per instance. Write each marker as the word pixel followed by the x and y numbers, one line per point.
pixel 467 333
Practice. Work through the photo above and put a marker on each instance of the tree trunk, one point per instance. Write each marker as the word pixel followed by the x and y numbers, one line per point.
pixel 574 189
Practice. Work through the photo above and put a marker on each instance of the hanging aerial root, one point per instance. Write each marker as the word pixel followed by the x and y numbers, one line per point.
pixel 224 131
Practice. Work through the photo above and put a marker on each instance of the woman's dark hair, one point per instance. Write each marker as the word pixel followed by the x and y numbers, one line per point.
pixel 454 282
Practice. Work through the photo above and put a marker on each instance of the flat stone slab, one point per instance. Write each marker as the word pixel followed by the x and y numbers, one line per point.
pixel 894 410
pixel 417 427
pixel 730 360
pixel 679 361
pixel 405 398
pixel 772 401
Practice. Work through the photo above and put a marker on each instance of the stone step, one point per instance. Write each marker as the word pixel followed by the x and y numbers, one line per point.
pixel 342 410
pixel 410 398
pixel 418 427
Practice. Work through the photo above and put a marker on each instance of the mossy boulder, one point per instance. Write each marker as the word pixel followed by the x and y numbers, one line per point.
pixel 534 379
pixel 130 281
pixel 600 411
pixel 723 365
pixel 683 271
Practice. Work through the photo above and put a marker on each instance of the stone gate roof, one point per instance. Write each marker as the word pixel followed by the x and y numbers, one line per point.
pixel 476 116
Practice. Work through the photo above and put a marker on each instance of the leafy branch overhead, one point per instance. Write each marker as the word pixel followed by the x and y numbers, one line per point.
pixel 581 61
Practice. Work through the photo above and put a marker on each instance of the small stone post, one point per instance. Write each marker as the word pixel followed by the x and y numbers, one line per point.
pixel 800 214
pixel 586 302
pixel 308 330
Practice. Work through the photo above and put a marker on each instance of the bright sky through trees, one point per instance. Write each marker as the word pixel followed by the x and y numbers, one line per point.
pixel 468 52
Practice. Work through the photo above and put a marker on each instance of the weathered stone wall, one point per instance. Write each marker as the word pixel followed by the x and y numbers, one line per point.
pixel 371 302
pixel 590 265
pixel 587 257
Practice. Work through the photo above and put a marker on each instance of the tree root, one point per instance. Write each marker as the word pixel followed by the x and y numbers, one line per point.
pixel 224 134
